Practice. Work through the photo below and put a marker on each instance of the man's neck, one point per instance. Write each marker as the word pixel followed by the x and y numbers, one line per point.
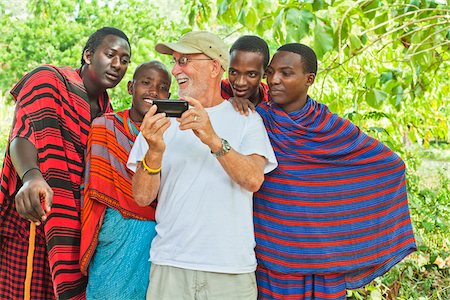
pixel 256 97
pixel 212 97
pixel 135 116
pixel 211 102
pixel 91 89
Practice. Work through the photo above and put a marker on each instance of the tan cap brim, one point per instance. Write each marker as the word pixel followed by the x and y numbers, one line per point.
pixel 169 48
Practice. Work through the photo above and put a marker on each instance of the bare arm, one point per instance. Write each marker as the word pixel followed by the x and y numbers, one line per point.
pixel 34 188
pixel 146 185
pixel 245 170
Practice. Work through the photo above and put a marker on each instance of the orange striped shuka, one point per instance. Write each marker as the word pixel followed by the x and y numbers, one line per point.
pixel 107 179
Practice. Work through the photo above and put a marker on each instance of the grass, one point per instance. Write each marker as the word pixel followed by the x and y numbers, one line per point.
pixel 424 274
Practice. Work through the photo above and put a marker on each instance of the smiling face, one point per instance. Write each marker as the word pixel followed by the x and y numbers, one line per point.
pixel 245 74
pixel 193 77
pixel 150 82
pixel 107 65
pixel 288 82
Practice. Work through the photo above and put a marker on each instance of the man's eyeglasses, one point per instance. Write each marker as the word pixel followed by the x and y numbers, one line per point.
pixel 182 61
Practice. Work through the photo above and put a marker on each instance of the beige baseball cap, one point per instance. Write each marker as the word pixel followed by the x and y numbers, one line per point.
pixel 198 42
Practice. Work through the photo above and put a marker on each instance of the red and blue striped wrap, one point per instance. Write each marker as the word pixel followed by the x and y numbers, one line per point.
pixel 335 207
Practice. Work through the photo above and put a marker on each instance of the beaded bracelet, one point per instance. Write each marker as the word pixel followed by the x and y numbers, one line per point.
pixel 149 170
pixel 30 169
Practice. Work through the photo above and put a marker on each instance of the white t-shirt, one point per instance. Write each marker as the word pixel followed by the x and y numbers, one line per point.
pixel 204 219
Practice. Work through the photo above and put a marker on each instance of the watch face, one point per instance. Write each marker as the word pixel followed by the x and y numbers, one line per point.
pixel 226 146
pixel 225 149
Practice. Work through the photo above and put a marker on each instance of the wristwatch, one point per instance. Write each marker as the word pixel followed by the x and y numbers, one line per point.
pixel 224 150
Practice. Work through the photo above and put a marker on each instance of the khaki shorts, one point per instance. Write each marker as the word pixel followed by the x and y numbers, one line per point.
pixel 170 283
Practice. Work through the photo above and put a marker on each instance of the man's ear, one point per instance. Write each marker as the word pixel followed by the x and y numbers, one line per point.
pixel 216 69
pixel 130 87
pixel 310 79
pixel 87 55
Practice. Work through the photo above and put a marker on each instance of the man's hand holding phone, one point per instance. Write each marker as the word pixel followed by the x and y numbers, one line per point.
pixel 153 127
pixel 172 108
pixel 197 119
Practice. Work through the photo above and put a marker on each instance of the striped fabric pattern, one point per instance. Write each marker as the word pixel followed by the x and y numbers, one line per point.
pixel 275 285
pixel 108 180
pixel 14 265
pixel 336 205
pixel 53 113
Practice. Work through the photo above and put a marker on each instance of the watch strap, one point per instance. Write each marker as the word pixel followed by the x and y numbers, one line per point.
pixel 224 150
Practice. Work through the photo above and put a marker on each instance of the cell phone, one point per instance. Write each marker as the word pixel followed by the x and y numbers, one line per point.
pixel 172 108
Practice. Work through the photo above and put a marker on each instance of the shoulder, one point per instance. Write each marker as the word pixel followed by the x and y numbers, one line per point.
pixel 44 72
pixel 50 71
pixel 251 118
pixel 254 117
pixel 225 83
pixel 40 77
pixel 225 89
pixel 103 119
pixel 264 87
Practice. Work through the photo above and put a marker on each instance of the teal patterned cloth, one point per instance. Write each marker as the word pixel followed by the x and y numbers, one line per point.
pixel 120 266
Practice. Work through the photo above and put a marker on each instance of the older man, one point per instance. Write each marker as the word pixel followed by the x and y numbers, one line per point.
pixel 211 160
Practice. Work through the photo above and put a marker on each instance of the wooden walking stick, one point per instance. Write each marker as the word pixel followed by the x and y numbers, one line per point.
pixel 29 274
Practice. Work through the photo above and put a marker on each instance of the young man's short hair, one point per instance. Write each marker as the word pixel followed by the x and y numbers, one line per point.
pixel 252 43
pixel 307 54
pixel 97 38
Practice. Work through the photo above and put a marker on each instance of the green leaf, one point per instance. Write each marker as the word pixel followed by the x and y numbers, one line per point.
pixel 371 99
pixel 191 17
pixel 399 95
pixel 323 38
pixel 390 84
pixel 379 19
pixel 306 18
pixel 386 76
pixel 371 80
pixel 318 5
pixel 355 42
pixel 375 97
pixel 414 5
pixel 292 18
pixel 251 18
pixel 222 7
pixel 427 225
pixel 417 37
pixel 260 29
pixel 297 23
pixel 363 39
pixel 241 17
pixel 368 9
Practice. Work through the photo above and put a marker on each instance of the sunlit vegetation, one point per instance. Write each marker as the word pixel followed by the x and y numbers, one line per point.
pixel 383 64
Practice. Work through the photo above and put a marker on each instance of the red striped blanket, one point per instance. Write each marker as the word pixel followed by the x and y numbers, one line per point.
pixel 53 113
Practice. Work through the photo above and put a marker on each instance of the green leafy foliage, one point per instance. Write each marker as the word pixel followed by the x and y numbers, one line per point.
pixel 55 32
pixel 384 64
